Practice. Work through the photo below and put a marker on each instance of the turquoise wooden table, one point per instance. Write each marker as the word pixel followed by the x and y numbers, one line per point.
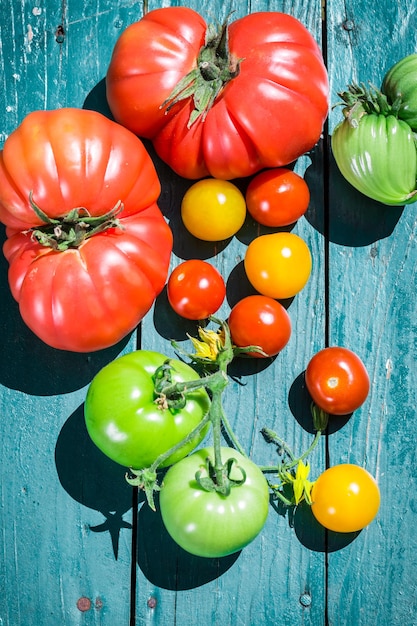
pixel 79 547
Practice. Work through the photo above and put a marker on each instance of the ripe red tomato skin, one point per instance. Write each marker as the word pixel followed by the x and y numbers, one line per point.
pixel 71 299
pixel 337 380
pixel 277 197
pixel 251 124
pixel 260 321
pixel 195 289
pixel 208 524
pixel 345 498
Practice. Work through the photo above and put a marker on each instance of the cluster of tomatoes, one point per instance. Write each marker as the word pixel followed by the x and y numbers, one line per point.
pixel 89 251
pixel 277 265
pixel 126 424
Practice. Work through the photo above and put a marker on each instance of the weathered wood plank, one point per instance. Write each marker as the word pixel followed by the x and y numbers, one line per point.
pixel 264 584
pixel 372 310
pixel 46 457
pixel 65 510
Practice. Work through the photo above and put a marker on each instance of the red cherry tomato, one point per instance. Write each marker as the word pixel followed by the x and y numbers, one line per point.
pixel 277 197
pixel 260 321
pixel 337 380
pixel 195 289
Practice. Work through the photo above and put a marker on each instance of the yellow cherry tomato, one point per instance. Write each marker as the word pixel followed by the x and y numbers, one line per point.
pixel 345 498
pixel 213 210
pixel 278 265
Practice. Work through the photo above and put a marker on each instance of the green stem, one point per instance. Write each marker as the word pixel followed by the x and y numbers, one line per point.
pixel 294 461
pixel 178 388
pixel 272 437
pixel 216 66
pixel 235 442
pixel 216 413
pixel 162 457
pixel 70 230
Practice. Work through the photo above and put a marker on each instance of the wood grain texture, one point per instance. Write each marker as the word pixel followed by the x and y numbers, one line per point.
pixel 264 584
pixel 66 512
pixel 373 308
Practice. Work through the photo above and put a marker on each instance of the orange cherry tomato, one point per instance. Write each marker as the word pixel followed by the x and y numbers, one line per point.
pixel 278 265
pixel 345 498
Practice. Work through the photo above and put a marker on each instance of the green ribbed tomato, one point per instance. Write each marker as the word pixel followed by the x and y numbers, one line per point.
pixel 400 84
pixel 378 156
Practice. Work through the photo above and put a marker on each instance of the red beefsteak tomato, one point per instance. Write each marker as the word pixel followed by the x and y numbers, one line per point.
pixel 84 275
pixel 226 104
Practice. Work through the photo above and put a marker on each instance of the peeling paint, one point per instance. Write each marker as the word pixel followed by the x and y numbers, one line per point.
pixel 28 38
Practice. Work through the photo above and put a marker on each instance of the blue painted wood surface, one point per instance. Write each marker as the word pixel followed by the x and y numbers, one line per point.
pixel 74 550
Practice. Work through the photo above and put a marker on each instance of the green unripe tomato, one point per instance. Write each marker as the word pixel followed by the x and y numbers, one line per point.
pixel 378 157
pixel 206 523
pixel 126 423
pixel 400 84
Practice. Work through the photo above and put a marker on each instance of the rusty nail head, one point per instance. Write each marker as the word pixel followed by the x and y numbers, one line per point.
pixel 83 604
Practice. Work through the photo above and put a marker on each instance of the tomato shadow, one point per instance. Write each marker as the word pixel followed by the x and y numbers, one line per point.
pixel 313 536
pixel 299 401
pixel 28 364
pixel 96 100
pixel 167 565
pixel 91 478
pixel 238 287
pixel 352 219
pixel 185 245
pixel 169 324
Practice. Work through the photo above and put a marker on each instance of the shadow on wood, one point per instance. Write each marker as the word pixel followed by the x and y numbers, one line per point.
pixel 353 219
pixel 167 565
pixel 91 478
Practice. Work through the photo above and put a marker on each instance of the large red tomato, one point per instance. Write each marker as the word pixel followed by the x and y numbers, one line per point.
pixel 255 97
pixel 88 294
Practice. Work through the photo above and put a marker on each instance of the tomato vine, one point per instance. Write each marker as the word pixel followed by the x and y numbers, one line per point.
pixel 214 353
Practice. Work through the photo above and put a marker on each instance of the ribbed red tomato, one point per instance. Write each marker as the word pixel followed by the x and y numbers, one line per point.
pixel 83 281
pixel 225 104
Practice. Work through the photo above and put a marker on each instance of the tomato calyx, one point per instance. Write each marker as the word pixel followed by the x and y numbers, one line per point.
pixel 168 394
pixel 215 68
pixel 145 479
pixel 359 100
pixel 70 230
pixel 211 478
pixel 320 417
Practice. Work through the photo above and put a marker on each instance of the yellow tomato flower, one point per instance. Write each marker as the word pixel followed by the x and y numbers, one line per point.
pixel 209 345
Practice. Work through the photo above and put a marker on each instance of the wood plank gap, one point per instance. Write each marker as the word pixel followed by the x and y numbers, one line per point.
pixel 326 232
pixel 134 559
pixel 326 189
